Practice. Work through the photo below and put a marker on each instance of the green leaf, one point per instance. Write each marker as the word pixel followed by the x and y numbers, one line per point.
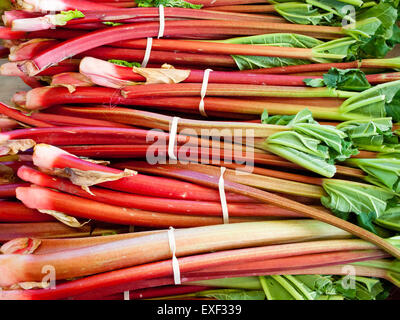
pixel 168 3
pixel 364 289
pixel 320 284
pixel 112 24
pixel 315 83
pixel 390 219
pixel 264 116
pixel 348 79
pixel 373 134
pixel 310 145
pixel 302 13
pixel 274 39
pixel 339 49
pixel 385 13
pixel 274 290
pixel 366 221
pixel 372 102
pixel 339 148
pixel 364 29
pixel 359 198
pixel 393 108
pixel 125 63
pixel 62 18
pixel 308 161
pixel 383 172
pixel 303 116
pixel 232 294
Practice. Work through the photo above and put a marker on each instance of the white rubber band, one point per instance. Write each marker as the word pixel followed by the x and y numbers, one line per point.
pixel 126 295
pixel 203 91
pixel 162 21
pixel 175 263
pixel 224 205
pixel 172 137
pixel 147 53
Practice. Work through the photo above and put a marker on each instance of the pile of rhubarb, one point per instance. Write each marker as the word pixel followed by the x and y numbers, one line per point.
pixel 211 149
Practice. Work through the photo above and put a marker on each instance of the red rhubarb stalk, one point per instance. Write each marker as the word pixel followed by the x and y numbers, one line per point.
pixel 16 115
pixel 185 207
pixel 59 5
pixel 49 157
pixel 8 190
pixel 60 120
pixel 99 38
pixel 10 231
pixel 17 212
pixel 45 199
pixel 267 197
pixel 126 279
pixel 35 22
pixel 155 247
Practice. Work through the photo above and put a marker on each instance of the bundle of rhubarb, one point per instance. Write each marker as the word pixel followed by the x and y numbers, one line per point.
pixel 224 149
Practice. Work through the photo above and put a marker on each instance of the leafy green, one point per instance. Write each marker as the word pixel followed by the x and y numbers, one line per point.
pixel 372 135
pixel 302 13
pixel 309 144
pixel 345 48
pixel 322 287
pixel 315 83
pixel 364 288
pixel 348 79
pixel 275 289
pixel 385 37
pixel 168 3
pixel 233 294
pixel 383 172
pixel 362 199
pixel 112 24
pixel 274 39
pixel 125 63
pixel 277 119
pixel 63 17
pixel 373 102
pixel 385 13
pixel 390 219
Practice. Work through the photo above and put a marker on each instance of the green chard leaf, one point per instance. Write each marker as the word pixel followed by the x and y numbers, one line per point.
pixel 348 196
pixel 125 63
pixel 168 3
pixel 311 145
pixel 277 40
